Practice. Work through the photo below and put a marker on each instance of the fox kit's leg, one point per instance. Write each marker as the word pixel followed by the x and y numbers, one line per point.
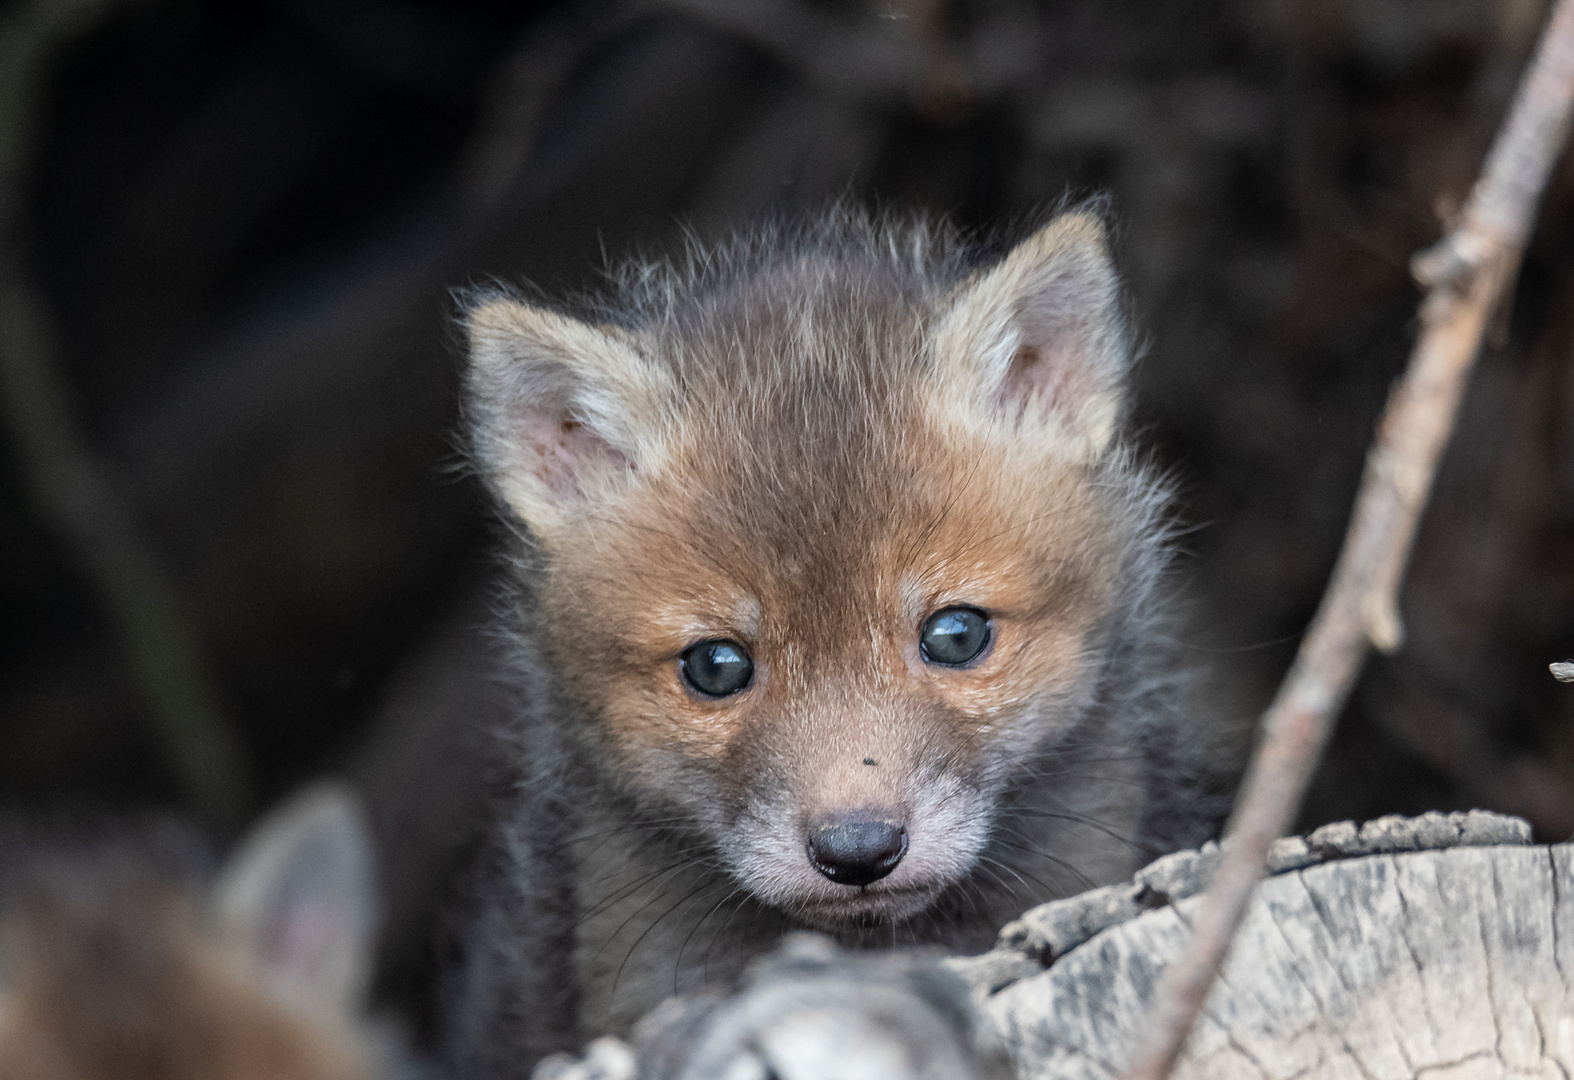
pixel 515 999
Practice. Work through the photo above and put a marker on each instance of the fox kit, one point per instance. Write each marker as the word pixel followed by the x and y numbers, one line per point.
pixel 113 966
pixel 837 609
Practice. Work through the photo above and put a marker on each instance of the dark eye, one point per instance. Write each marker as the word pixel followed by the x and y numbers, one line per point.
pixel 954 636
pixel 716 668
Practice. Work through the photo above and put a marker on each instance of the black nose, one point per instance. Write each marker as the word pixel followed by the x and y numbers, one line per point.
pixel 857 852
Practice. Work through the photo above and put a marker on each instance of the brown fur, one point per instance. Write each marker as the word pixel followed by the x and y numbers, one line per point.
pixel 809 446
pixel 134 989
pixel 114 965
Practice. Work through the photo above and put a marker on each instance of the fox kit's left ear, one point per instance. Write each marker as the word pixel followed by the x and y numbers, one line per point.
pixel 1037 346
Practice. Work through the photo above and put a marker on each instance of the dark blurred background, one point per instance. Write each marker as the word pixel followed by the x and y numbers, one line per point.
pixel 235 547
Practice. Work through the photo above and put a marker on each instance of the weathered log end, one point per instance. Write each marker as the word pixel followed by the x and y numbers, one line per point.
pixel 1432 946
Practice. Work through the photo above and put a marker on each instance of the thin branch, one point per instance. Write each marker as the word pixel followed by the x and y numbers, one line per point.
pixel 1465 275
pixel 70 486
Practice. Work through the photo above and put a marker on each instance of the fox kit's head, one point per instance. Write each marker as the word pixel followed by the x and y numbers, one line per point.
pixel 829 536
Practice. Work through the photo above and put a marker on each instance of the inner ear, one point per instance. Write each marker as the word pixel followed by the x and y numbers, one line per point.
pixel 1045 378
pixel 1037 374
pixel 1040 340
pixel 1024 382
pixel 561 449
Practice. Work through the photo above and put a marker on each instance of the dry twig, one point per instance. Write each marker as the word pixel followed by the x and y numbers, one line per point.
pixel 1465 276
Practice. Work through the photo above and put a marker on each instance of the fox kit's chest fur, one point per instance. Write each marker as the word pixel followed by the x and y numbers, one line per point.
pixel 837 586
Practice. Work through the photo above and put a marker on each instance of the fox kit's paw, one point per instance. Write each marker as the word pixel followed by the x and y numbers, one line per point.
pixel 608 1058
pixel 809 1012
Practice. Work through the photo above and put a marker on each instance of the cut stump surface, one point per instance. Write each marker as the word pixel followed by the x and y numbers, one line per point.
pixel 1444 964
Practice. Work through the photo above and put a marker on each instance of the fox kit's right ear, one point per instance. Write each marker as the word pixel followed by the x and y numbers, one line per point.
pixel 562 412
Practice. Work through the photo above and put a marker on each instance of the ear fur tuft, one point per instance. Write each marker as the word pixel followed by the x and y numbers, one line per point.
pixel 561 410
pixel 1038 344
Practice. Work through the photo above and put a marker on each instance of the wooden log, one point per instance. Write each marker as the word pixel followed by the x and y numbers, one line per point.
pixel 1453 962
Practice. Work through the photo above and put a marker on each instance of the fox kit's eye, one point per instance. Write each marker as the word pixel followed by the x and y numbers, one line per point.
pixel 954 636
pixel 716 668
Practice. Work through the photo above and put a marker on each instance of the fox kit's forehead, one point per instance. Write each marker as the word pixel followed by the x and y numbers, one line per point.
pixel 798 387
pixel 893 499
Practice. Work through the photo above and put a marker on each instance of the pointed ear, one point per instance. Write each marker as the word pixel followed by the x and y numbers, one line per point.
pixel 562 412
pixel 299 897
pixel 1038 346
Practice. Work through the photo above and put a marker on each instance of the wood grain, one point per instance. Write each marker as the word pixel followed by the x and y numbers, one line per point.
pixel 1436 964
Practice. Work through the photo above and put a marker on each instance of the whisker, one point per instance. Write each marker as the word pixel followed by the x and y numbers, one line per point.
pixel 677 964
pixel 1028 812
pixel 609 902
pixel 1087 882
pixel 726 924
pixel 984 868
pixel 689 896
pixel 1021 875
pixel 656 826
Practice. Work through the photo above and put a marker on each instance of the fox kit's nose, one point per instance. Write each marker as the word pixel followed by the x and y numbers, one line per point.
pixel 857 851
